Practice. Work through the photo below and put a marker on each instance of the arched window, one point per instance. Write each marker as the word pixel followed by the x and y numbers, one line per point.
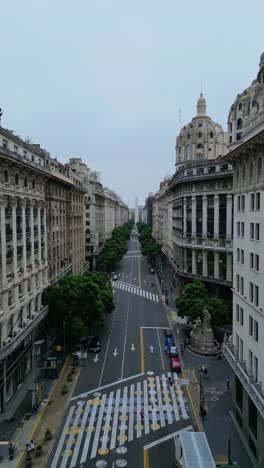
pixel 239 124
pixel 240 106
pixel 200 124
pixel 6 175
pixel 33 184
pixel 17 179
pixel 244 175
pixel 259 173
pixel 26 182
pixel 230 127
pixel 211 134
pixel 188 136
pixel 200 134
pixel 251 172
pixel 199 146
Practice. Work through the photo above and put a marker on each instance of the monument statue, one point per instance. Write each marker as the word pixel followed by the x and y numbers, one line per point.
pixel 201 336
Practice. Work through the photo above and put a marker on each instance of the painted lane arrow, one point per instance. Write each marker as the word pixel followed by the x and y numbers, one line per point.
pixel 133 347
pixel 96 358
pixel 151 349
pixel 115 353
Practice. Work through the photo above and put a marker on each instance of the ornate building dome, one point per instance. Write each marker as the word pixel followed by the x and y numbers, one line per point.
pixel 201 139
pixel 246 115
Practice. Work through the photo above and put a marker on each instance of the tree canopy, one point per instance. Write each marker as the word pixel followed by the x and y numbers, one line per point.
pixel 82 301
pixel 195 298
pixel 149 247
pixel 115 248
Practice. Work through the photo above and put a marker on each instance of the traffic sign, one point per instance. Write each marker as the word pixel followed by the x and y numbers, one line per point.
pixel 58 348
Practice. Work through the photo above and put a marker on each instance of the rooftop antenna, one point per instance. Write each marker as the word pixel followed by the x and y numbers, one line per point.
pixel 1 113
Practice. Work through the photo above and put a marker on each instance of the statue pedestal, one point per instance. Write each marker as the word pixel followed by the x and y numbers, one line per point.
pixel 202 340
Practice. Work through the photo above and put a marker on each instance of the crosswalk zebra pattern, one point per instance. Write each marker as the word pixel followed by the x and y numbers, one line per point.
pixel 135 290
pixel 109 420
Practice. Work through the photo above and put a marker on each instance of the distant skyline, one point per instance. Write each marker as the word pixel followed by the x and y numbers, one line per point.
pixel 104 81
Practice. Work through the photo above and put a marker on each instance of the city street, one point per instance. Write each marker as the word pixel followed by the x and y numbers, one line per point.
pixel 102 423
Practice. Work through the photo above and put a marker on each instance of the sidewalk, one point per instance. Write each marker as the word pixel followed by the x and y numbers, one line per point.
pixel 50 415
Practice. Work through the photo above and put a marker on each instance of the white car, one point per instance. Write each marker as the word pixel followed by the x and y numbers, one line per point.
pixel 115 277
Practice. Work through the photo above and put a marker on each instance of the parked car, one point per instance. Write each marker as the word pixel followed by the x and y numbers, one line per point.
pixel 170 341
pixel 175 364
pixel 173 351
pixel 115 277
pixel 94 346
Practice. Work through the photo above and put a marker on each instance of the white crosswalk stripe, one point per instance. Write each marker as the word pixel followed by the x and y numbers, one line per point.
pixel 136 290
pixel 101 424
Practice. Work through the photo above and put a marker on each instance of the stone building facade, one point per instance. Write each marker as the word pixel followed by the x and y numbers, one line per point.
pixel 192 212
pixel 244 350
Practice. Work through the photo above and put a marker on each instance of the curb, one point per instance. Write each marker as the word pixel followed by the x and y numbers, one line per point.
pixel 42 412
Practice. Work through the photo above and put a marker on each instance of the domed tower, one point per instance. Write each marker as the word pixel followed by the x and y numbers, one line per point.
pixel 201 139
pixel 246 115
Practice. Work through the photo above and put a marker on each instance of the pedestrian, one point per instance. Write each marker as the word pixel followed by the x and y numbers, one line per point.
pixel 228 385
pixel 32 446
pixel 142 414
pixel 170 381
pixel 28 448
pixel 11 450
pixel 200 370
pixel 205 371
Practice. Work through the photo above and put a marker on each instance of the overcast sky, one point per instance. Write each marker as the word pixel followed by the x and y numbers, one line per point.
pixel 104 80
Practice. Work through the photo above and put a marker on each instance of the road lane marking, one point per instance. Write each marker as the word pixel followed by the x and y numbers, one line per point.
pixel 162 418
pixel 107 422
pixel 131 413
pixel 143 293
pixel 138 409
pixel 146 464
pixel 71 437
pixel 140 292
pixel 153 411
pixel 117 382
pixel 182 405
pixel 142 350
pixel 123 359
pixel 147 294
pixel 98 428
pixel 101 376
pixel 123 414
pixel 161 354
pixel 167 437
pixel 89 432
pixel 115 420
pixel 166 395
pixel 62 438
pixel 146 422
pixel 80 435
pixel 174 402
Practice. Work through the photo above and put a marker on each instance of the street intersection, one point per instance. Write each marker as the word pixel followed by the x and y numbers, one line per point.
pixel 103 423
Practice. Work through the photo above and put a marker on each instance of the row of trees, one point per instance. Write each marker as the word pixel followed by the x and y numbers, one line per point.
pixel 149 247
pixel 115 248
pixel 83 301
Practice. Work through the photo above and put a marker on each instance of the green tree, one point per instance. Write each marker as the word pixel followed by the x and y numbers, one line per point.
pixel 195 298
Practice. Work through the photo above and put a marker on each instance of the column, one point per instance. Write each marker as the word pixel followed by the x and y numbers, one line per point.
pixel 216 265
pixel 23 206
pixel 193 216
pixel 205 266
pixel 184 216
pixel 45 235
pixel 39 234
pixel 194 269
pixel 216 216
pixel 205 216
pixel 229 216
pixel 3 241
pixel 229 267
pixel 14 228
pixel 32 234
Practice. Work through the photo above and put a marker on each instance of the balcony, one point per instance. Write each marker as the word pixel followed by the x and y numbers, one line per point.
pixel 9 234
pixel 19 233
pixel 13 343
pixel 254 390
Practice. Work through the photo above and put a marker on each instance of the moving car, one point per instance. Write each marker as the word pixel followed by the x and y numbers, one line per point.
pixel 115 277
pixel 175 364
pixel 94 346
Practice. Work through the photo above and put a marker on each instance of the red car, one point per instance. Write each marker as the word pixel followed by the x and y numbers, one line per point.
pixel 175 364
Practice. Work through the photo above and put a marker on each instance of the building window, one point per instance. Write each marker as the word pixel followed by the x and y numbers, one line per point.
pixel 251 260
pixel 242 285
pixel 4 144
pixel 25 153
pixel 33 184
pixel 6 176
pixel 237 283
pixel 17 179
pixel 242 229
pixel 237 312
pixel 240 106
pixel 26 182
pixel 244 175
pixel 252 231
pixel 238 229
pixel 251 172
pixel 239 124
pixel 15 149
pixel 250 326
pixel 256 231
pixel 252 201
pixel 256 295
pixel 238 255
pixel 188 152
pixel 255 330
pixel 238 203
pixel 256 262
pixel 252 417
pixel 251 291
pixel 258 201
pixel 242 202
pixel 241 316
pixel 211 135
pixel 200 134
pixel 242 256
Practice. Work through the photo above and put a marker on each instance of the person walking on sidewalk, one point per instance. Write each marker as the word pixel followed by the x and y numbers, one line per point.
pixel 142 414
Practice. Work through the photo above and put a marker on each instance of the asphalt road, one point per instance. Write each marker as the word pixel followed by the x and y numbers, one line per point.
pixel 102 424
